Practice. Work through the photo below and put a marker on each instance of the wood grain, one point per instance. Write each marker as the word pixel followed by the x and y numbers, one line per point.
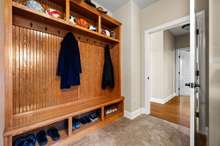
pixel 176 110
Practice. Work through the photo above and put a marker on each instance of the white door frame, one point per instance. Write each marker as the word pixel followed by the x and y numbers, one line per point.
pixel 147 56
pixel 147 83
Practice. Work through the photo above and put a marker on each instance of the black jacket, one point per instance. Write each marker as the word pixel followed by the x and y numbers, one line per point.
pixel 108 72
pixel 69 64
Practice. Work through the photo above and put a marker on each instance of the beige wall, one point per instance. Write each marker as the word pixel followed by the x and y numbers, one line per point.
pixel 182 41
pixel 123 14
pixel 169 64
pixel 214 73
pixel 1 71
pixel 157 44
pixel 135 56
pixel 129 15
pixel 162 64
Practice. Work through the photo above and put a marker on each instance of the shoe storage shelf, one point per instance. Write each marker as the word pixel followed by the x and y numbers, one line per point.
pixel 34 100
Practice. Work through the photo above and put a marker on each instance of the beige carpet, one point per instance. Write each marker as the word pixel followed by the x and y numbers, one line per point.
pixel 143 131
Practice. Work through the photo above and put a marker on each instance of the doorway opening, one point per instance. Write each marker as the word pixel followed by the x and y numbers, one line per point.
pixel 169 74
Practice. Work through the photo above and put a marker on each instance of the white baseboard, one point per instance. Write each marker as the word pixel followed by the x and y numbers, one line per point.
pixel 163 100
pixel 135 114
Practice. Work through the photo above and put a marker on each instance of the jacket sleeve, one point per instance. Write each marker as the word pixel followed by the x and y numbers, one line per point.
pixel 61 62
pixel 79 58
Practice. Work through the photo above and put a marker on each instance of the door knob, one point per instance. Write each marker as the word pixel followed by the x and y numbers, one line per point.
pixel 192 85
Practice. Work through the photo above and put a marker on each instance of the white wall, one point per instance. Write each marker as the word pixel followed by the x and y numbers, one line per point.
pixel 129 15
pixel 1 71
pixel 214 73
pixel 162 65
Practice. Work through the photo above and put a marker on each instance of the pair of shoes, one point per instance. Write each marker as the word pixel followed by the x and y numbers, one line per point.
pixel 42 136
pixel 29 140
pixel 85 120
pixel 76 123
pixel 93 117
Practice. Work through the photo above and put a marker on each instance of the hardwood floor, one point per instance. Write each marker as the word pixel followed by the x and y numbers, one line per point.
pixel 176 110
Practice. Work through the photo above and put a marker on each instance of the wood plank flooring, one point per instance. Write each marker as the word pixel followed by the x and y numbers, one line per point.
pixel 176 110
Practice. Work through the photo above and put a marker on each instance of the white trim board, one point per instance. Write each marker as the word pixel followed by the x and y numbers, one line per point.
pixel 162 100
pixel 135 114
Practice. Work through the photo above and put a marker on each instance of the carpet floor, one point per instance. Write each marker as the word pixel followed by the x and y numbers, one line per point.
pixel 142 131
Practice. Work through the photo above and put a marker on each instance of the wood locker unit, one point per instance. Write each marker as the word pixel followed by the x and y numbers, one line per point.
pixel 34 99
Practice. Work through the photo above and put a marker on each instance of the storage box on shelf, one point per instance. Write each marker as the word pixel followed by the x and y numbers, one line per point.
pixel 33 39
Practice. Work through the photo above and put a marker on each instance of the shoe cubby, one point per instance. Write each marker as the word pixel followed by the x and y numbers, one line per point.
pixel 86 120
pixel 113 109
pixel 47 135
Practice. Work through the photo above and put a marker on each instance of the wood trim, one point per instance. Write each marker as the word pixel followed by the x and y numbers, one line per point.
pixel 70 125
pixel 8 65
pixel 100 25
pixel 67 10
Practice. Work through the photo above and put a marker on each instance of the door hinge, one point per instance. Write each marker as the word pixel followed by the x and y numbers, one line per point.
pixel 197 73
pixel 197 114
pixel 197 31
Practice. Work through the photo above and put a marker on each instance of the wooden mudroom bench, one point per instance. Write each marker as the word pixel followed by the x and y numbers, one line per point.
pixel 34 100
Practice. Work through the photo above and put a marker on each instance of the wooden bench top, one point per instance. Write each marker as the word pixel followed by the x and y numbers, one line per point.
pixel 33 120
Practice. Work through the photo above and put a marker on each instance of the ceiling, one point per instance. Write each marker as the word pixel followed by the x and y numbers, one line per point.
pixel 178 31
pixel 113 5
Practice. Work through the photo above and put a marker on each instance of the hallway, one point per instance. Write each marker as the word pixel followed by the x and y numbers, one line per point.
pixel 176 110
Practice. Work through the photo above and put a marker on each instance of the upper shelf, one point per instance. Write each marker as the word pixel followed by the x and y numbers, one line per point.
pixel 22 10
pixel 80 5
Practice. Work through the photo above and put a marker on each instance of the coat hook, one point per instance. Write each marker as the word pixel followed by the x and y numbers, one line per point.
pixel 31 24
pixel 58 32
pixel 45 28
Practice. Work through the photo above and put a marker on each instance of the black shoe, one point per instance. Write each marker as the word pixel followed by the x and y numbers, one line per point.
pixel 53 133
pixel 42 138
pixel 76 123
pixel 93 117
pixel 29 140
pixel 85 120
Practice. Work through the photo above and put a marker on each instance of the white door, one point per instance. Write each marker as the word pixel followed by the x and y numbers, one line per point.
pixel 192 70
pixel 183 72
